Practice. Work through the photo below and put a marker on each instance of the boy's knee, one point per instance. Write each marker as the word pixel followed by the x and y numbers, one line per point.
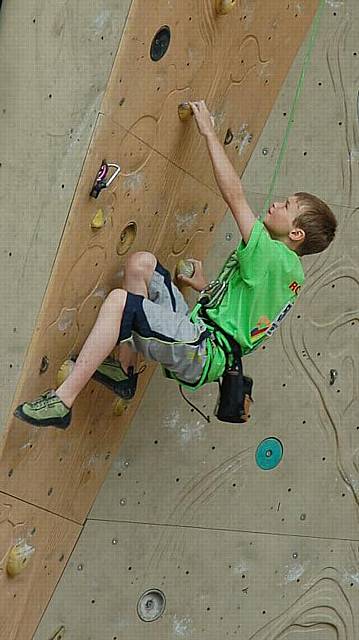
pixel 117 297
pixel 141 262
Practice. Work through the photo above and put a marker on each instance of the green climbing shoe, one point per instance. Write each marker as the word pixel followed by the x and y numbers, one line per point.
pixel 46 411
pixel 111 374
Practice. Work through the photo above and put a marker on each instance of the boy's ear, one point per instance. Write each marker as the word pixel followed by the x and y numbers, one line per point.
pixel 297 234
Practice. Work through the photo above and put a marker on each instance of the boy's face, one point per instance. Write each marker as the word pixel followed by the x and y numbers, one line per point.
pixel 280 218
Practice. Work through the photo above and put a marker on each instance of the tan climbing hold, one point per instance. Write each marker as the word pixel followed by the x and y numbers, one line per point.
pixel 19 557
pixel 184 111
pixel 185 268
pixel 120 406
pixel 224 6
pixel 99 220
pixel 127 238
pixel 64 371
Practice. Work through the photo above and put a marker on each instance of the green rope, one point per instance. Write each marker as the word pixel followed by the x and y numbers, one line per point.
pixel 312 39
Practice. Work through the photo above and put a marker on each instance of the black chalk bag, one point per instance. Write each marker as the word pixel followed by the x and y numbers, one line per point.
pixel 235 389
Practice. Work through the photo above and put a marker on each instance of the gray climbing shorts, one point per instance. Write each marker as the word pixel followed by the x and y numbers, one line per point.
pixel 160 329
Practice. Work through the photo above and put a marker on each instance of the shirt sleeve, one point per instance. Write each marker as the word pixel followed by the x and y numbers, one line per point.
pixel 255 256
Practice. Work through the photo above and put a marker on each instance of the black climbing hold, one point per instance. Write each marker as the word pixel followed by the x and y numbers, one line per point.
pixel 229 137
pixel 44 364
pixel 160 43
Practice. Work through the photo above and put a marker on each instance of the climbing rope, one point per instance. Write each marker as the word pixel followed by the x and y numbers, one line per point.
pixel 307 58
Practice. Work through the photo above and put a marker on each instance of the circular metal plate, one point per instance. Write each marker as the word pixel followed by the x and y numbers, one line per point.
pixel 151 605
pixel 160 43
pixel 269 453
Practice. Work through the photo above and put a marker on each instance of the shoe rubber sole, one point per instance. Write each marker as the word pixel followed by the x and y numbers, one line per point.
pixel 114 385
pixel 60 423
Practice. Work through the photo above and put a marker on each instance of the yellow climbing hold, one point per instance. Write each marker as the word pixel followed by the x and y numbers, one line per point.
pixel 99 220
pixel 64 371
pixel 19 557
pixel 120 406
pixel 185 268
pixel 184 111
pixel 224 6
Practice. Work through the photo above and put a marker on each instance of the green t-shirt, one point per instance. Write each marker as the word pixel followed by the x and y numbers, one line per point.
pixel 263 280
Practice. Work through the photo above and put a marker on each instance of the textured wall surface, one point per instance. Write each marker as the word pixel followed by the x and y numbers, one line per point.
pixel 264 555
pixel 164 200
pixel 238 551
pixel 56 57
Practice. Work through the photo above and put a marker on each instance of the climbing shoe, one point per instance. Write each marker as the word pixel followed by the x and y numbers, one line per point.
pixel 46 411
pixel 111 374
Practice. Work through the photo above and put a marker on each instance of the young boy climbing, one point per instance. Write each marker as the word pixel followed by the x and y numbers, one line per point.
pixel 253 293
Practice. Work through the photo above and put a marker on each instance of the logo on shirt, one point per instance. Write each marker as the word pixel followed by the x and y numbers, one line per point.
pixel 295 287
pixel 260 329
pixel 280 317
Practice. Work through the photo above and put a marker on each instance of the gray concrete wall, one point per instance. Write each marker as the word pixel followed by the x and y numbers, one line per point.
pixel 56 57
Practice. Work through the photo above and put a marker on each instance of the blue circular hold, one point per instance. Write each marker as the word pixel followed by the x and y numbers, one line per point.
pixel 269 453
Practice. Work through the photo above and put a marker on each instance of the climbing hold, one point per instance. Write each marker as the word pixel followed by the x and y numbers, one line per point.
pixel 127 238
pixel 19 557
pixel 160 43
pixel 99 220
pixel 44 364
pixel 185 268
pixel 64 371
pixel 151 605
pixel 269 453
pixel 184 111
pixel 229 137
pixel 120 406
pixel 224 6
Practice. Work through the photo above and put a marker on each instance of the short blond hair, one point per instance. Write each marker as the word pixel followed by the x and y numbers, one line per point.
pixel 317 221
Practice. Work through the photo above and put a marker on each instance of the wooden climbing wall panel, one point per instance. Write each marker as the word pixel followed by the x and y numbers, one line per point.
pixel 24 596
pixel 63 471
pixel 165 200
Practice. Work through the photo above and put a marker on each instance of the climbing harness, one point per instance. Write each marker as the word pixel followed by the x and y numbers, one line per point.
pixel 231 397
pixel 235 389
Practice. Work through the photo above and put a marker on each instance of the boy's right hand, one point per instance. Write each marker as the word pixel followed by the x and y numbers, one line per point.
pixel 197 281
pixel 204 120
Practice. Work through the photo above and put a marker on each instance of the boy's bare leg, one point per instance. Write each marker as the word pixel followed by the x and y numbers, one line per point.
pixel 100 342
pixel 104 335
pixel 139 268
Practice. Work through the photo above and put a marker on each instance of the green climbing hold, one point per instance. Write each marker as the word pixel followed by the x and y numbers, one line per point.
pixel 269 453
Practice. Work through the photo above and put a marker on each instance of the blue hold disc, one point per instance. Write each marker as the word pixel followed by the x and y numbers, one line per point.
pixel 269 453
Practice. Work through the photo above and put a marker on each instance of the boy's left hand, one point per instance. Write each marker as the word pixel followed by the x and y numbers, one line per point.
pixel 197 281
pixel 204 120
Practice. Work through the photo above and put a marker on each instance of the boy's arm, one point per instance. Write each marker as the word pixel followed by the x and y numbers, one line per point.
pixel 230 186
